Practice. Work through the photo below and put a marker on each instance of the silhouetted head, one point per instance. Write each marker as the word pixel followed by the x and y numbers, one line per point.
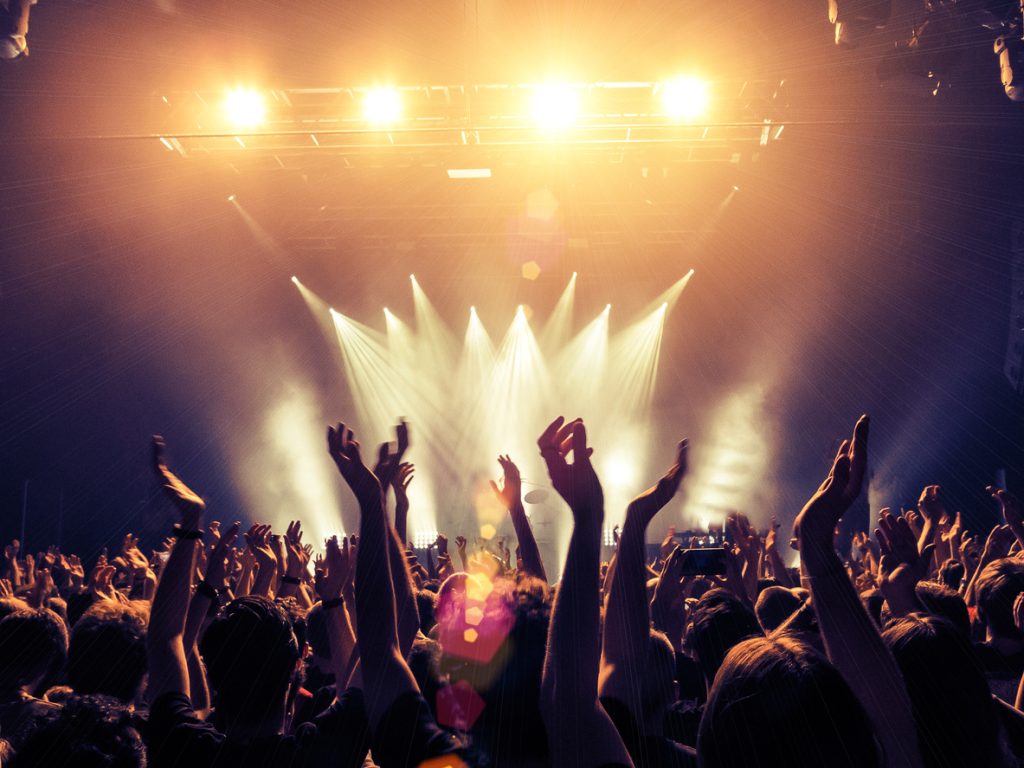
pixel 997 587
pixel 107 652
pixel 719 621
pixel 778 702
pixel 250 652
pixel 957 721
pixel 87 732
pixel 33 649
pixel 940 600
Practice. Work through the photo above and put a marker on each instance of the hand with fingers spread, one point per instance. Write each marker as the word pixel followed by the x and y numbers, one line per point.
pixel 668 608
pixel 297 554
pixel 577 483
pixel 133 555
pixel 257 538
pixel 930 504
pixel 509 493
pixel 217 572
pixel 344 449
pixel 901 566
pixel 815 524
pixel 188 503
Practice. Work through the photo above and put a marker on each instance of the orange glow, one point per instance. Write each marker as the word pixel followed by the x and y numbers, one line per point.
pixel 244 108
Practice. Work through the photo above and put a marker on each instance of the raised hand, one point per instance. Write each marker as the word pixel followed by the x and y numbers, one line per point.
pixel 930 504
pixel 901 566
pixel 441 542
pixel 344 449
pixel 576 483
pixel 651 501
pixel 816 522
pixel 511 489
pixel 190 506
pixel 400 482
pixel 217 571
pixel 460 543
pixel 298 555
pixel 258 541
pixel 132 554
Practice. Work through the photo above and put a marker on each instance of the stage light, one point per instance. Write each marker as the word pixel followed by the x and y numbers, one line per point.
pixel 469 173
pixel 619 472
pixel 382 105
pixel 244 108
pixel 685 98
pixel 231 198
pixel 472 311
pixel 554 106
pixel 295 279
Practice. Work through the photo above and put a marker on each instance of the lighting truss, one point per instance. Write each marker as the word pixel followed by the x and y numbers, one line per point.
pixel 473 126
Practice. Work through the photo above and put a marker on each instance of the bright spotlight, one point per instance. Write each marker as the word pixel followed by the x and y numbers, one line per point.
pixel 413 278
pixel 295 279
pixel 619 472
pixel 607 307
pixel 472 311
pixel 244 108
pixel 387 311
pixel 554 106
pixel 231 198
pixel 685 97
pixel 382 105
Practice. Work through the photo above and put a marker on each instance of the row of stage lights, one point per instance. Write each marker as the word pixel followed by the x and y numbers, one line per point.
pixel 552 106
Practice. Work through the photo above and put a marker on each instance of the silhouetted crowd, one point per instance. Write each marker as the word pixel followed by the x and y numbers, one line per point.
pixel 224 648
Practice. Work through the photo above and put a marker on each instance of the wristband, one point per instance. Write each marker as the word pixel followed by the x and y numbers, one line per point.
pixel 207 590
pixel 291 580
pixel 183 535
pixel 334 603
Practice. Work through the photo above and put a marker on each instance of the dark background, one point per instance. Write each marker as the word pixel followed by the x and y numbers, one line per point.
pixel 863 266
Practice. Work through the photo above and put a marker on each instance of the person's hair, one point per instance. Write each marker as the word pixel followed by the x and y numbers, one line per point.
pixel 33 647
pixel 87 732
pixel 719 621
pixel 316 631
pixel 250 652
pixel 775 605
pixel 940 600
pixel 78 603
pixel 778 702
pixel 107 652
pixel 952 574
pixel 297 616
pixel 957 721
pixel 997 587
pixel 9 605
pixel 657 682
pixel 508 680
pixel 426 603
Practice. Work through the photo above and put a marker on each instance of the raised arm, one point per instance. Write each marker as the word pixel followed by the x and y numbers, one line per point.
pixel 400 485
pixel 569 703
pixel 168 671
pixel 385 673
pixel 510 494
pixel 851 639
pixel 339 626
pixel 627 621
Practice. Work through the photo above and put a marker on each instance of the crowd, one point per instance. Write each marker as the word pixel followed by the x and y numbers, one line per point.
pixel 231 649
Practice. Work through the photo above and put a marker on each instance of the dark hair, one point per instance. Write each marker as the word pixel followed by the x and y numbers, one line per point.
pixel 778 702
pixel 78 604
pixel 316 631
pixel 957 721
pixel 250 653
pixel 952 574
pixel 996 589
pixel 426 603
pixel 297 616
pixel 9 605
pixel 940 600
pixel 87 732
pixel 33 645
pixel 107 652
pixel 720 621
pixel 775 605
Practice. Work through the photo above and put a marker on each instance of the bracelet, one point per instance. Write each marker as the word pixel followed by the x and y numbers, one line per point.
pixel 207 590
pixel 291 580
pixel 183 535
pixel 336 602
